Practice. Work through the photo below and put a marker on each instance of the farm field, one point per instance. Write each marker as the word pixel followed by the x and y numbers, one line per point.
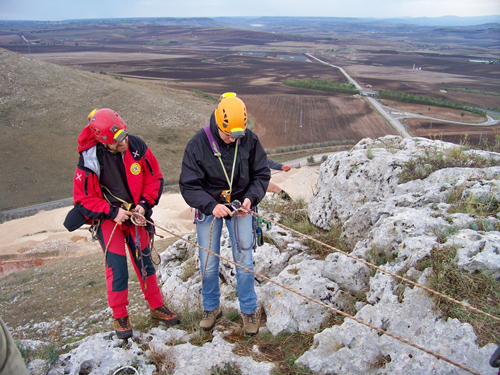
pixel 474 136
pixel 110 62
pixel 283 120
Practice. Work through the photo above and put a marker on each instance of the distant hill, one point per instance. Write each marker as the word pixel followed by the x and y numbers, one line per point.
pixel 320 25
pixel 296 25
pixel 447 21
pixel 44 107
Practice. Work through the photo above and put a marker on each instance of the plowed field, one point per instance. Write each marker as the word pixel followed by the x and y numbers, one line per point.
pixel 284 120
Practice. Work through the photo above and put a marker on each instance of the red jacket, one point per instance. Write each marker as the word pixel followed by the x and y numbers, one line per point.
pixel 144 180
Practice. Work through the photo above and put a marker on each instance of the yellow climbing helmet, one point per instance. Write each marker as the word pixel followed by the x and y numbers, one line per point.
pixel 231 115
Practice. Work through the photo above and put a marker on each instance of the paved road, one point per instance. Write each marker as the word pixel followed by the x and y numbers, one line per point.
pixel 366 93
pixel 394 121
pixel 490 121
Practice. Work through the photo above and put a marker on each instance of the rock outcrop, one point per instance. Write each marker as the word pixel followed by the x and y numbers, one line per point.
pixel 359 191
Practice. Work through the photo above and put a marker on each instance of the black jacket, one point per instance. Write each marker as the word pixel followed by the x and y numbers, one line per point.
pixel 202 178
pixel 274 165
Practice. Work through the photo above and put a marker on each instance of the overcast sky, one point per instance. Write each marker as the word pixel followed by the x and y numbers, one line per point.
pixel 56 10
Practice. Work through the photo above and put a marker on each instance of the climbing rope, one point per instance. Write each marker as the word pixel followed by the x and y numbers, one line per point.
pixel 139 221
pixel 126 368
pixel 208 254
pixel 382 270
pixel 438 356
pixel 107 246
pixel 239 249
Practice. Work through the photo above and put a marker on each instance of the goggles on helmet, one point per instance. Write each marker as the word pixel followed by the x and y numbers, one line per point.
pixel 237 133
pixel 120 135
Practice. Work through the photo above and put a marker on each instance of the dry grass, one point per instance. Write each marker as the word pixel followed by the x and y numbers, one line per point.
pixel 478 289
pixel 294 215
pixel 66 299
pixel 283 349
pixel 45 106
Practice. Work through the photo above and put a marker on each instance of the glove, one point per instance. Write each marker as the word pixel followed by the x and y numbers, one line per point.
pixel 286 168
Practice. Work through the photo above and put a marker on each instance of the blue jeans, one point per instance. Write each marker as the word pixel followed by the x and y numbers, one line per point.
pixel 241 235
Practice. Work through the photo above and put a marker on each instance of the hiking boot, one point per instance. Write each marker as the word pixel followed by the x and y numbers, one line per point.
pixel 250 323
pixel 122 328
pixel 284 195
pixel 163 314
pixel 209 317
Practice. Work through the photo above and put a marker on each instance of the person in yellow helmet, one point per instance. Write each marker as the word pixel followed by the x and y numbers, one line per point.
pixel 224 162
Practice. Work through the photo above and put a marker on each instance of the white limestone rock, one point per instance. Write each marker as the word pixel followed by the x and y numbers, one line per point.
pixel 287 311
pixel 353 348
pixel 477 251
pixel 192 359
pixel 347 272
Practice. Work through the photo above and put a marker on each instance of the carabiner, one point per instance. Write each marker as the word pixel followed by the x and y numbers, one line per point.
pixel 236 205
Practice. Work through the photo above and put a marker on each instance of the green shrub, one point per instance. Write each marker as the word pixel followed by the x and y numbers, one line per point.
pixel 317 84
pixel 433 160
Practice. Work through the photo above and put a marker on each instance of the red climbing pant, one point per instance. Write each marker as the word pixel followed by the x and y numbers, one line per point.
pixel 116 265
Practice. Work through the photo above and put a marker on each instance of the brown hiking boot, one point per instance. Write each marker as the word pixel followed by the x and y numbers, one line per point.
pixel 122 328
pixel 251 323
pixel 209 317
pixel 163 314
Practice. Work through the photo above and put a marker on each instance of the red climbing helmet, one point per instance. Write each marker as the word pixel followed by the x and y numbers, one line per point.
pixel 107 125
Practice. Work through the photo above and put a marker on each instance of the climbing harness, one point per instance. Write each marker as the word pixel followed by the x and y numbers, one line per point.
pixel 257 224
pixel 124 204
pixel 225 194
pixel 237 206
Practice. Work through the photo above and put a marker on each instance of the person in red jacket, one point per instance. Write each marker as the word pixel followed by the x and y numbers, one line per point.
pixel 118 175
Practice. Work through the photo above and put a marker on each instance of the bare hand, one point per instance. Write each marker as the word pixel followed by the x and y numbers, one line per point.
pixel 221 211
pixel 140 210
pixel 122 216
pixel 247 205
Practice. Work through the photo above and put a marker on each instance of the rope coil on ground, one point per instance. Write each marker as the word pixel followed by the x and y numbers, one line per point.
pixel 438 356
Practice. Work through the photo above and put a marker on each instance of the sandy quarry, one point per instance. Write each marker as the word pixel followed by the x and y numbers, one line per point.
pixel 45 232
